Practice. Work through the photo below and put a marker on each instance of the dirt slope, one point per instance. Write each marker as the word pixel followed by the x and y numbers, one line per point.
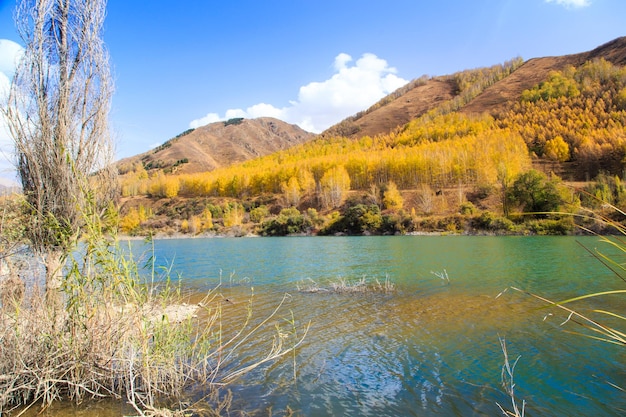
pixel 424 96
pixel 398 111
pixel 536 70
pixel 221 144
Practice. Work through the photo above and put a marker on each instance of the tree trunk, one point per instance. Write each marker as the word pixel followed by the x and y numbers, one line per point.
pixel 53 262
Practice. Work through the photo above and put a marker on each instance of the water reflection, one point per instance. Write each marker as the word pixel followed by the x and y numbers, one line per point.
pixel 413 353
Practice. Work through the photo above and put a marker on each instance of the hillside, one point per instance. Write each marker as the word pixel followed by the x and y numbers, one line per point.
pixel 412 101
pixel 218 145
pixel 425 93
pixel 507 91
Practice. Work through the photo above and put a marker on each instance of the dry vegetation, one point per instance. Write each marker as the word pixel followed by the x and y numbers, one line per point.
pixel 345 286
pixel 120 336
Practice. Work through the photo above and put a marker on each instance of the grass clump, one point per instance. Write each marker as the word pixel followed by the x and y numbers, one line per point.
pixel 345 286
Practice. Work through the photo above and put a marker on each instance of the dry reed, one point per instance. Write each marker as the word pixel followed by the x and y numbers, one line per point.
pixel 123 339
pixel 344 286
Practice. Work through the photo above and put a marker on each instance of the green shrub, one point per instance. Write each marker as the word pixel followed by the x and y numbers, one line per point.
pixel 533 192
pixel 489 221
pixel 606 189
pixel 357 220
pixel 467 208
pixel 290 221
pixel 551 226
pixel 233 121
pixel 397 223
pixel 258 214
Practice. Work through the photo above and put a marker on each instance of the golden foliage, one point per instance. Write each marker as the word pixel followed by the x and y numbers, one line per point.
pixel 334 184
pixel 577 114
pixel 392 199
pixel 130 222
pixel 557 149
pixel 585 108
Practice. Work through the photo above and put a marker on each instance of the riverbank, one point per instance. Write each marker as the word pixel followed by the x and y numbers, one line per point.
pixel 483 225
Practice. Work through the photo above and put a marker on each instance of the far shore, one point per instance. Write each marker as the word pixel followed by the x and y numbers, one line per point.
pixel 164 236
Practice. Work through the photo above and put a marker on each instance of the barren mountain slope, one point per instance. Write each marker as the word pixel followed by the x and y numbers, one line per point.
pixel 221 144
pixel 428 95
pixel 536 70
pixel 398 111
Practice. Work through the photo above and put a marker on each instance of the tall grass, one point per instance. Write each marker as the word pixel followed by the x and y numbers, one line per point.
pixel 123 338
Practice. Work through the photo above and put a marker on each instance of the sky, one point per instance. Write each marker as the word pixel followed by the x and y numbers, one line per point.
pixel 178 65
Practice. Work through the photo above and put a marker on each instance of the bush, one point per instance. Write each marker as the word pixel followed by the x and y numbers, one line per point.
pixel 233 121
pixel 397 223
pixel 533 192
pixel 489 221
pixel 357 220
pixel 258 214
pixel 467 208
pixel 290 221
pixel 606 189
pixel 552 226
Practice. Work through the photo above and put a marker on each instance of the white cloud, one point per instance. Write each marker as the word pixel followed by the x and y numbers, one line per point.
pixel 322 104
pixel 10 53
pixel 209 118
pixel 571 3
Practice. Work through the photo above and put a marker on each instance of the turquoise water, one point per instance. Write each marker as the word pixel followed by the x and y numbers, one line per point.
pixel 430 347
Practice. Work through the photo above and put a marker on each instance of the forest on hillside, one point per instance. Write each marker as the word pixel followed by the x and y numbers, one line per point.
pixel 444 171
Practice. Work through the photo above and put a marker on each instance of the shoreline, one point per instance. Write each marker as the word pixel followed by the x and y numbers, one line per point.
pixel 477 233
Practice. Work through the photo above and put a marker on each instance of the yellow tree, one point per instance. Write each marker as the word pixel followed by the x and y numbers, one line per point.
pixel 557 149
pixel 291 191
pixel 392 199
pixel 233 215
pixel 334 184
pixel 206 220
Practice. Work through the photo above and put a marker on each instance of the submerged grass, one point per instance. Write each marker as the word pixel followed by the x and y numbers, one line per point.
pixel 345 286
pixel 122 338
pixel 508 384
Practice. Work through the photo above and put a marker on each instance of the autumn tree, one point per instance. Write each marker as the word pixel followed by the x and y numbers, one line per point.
pixel 557 149
pixel 164 186
pixel 334 185
pixel 57 112
pixel 291 191
pixel 392 199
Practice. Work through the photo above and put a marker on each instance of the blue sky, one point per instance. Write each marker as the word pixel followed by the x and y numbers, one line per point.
pixel 311 62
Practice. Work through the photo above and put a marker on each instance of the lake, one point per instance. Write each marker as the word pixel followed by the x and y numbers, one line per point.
pixel 429 347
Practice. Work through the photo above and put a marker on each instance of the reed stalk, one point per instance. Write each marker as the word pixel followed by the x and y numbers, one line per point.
pixel 345 286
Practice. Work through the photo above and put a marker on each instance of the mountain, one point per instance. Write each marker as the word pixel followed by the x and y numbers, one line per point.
pixel 485 90
pixel 424 94
pixel 219 144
